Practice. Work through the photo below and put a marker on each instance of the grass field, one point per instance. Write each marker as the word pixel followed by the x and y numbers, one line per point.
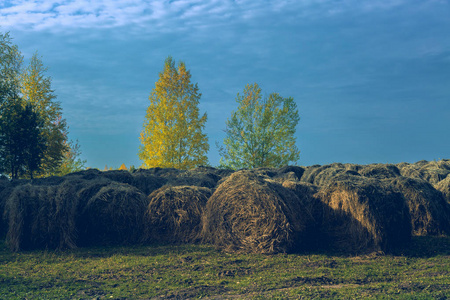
pixel 201 272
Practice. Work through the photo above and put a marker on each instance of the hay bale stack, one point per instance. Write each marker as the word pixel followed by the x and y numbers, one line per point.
pixel 430 171
pixel 380 171
pixel 444 187
pixel 249 214
pixel 311 172
pixel 194 178
pixel 430 212
pixel 41 216
pixel 114 215
pixel 289 173
pixel 174 214
pixel 88 174
pixel 122 176
pixel 323 175
pixel 146 182
pixel 363 215
pixel 5 190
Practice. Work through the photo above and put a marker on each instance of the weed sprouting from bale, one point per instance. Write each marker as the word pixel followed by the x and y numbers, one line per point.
pixel 174 214
pixel 249 214
pixel 114 215
pixel 430 212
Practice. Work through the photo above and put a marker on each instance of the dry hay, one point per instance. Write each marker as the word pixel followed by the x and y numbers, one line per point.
pixel 174 214
pixel 159 172
pixel 430 212
pixel 147 182
pixel 88 174
pixel 249 214
pixel 328 174
pixel 430 171
pixel 380 171
pixel 114 215
pixel 5 189
pixel 207 180
pixel 322 175
pixel 293 170
pixel 76 212
pixel 362 215
pixel 122 176
pixel 41 216
pixel 444 187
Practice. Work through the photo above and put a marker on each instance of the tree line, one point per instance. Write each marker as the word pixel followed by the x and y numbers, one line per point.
pixel 33 134
pixel 260 133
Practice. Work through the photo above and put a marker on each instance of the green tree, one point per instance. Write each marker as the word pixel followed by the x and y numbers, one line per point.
pixel 261 132
pixel 172 133
pixel 71 161
pixel 10 67
pixel 35 88
pixel 22 143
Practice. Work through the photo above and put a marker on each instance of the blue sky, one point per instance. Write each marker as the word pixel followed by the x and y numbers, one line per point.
pixel 371 79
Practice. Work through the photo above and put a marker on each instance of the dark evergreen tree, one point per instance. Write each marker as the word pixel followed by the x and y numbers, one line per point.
pixel 22 143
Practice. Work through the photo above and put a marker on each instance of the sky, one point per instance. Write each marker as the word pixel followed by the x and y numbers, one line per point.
pixel 371 79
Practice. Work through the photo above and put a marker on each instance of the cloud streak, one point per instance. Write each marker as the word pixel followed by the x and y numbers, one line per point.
pixel 161 14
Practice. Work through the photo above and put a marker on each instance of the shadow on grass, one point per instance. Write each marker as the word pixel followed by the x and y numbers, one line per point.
pixel 419 247
pixel 427 246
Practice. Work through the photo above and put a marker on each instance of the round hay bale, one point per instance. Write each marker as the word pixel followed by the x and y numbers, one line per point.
pixel 41 216
pixel 311 172
pixel 20 210
pixel 122 176
pixel 430 171
pixel 52 180
pixel 430 212
pixel 444 187
pixel 207 180
pixel 289 173
pixel 5 191
pixel 249 214
pixel 363 215
pixel 174 214
pixel 147 183
pixel 380 171
pixel 114 215
pixel 296 170
pixel 88 174
pixel 160 172
pixel 322 175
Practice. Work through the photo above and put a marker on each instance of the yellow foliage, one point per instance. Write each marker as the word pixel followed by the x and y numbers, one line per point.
pixel 172 133
pixel 123 167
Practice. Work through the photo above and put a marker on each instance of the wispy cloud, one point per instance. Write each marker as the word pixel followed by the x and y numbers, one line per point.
pixel 158 14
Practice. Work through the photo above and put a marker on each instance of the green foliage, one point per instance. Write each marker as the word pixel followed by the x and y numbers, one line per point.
pixel 10 67
pixel 172 134
pixel 22 142
pixel 71 161
pixel 31 86
pixel 261 132
pixel 36 89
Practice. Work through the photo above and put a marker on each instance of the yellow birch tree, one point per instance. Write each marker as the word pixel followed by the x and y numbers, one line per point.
pixel 36 90
pixel 172 135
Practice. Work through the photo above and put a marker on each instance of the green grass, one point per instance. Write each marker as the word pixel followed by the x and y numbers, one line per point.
pixel 198 272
